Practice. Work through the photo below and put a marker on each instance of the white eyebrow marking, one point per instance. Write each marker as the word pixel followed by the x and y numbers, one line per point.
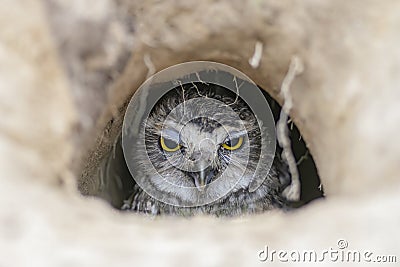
pixel 236 134
pixel 170 134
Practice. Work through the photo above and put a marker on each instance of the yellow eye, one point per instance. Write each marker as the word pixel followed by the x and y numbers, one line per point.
pixel 169 145
pixel 233 144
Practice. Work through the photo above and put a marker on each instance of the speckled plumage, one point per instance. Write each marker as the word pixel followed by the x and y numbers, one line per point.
pixel 239 200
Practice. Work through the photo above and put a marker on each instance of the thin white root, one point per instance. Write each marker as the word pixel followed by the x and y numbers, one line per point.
pixel 255 60
pixel 237 91
pixel 292 192
pixel 199 79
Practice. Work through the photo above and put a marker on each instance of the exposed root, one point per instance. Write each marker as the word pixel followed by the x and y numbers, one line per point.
pixel 255 60
pixel 292 192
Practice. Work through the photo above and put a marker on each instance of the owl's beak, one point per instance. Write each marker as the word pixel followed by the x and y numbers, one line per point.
pixel 202 178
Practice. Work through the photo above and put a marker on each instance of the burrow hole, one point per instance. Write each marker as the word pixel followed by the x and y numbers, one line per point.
pixel 108 161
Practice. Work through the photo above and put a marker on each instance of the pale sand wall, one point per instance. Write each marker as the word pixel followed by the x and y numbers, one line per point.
pixel 55 98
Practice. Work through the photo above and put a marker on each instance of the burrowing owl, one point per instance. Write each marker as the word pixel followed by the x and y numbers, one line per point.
pixel 194 153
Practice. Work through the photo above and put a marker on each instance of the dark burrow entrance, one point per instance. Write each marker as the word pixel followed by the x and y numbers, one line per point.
pixel 120 187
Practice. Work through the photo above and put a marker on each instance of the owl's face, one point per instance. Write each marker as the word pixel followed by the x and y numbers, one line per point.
pixel 201 145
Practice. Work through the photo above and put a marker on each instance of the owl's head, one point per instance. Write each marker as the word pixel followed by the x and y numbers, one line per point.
pixel 202 141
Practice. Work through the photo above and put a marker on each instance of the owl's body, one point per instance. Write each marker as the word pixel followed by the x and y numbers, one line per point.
pixel 210 160
pixel 266 197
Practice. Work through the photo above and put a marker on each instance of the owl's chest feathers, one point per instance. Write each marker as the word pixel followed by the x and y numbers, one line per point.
pixel 235 203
